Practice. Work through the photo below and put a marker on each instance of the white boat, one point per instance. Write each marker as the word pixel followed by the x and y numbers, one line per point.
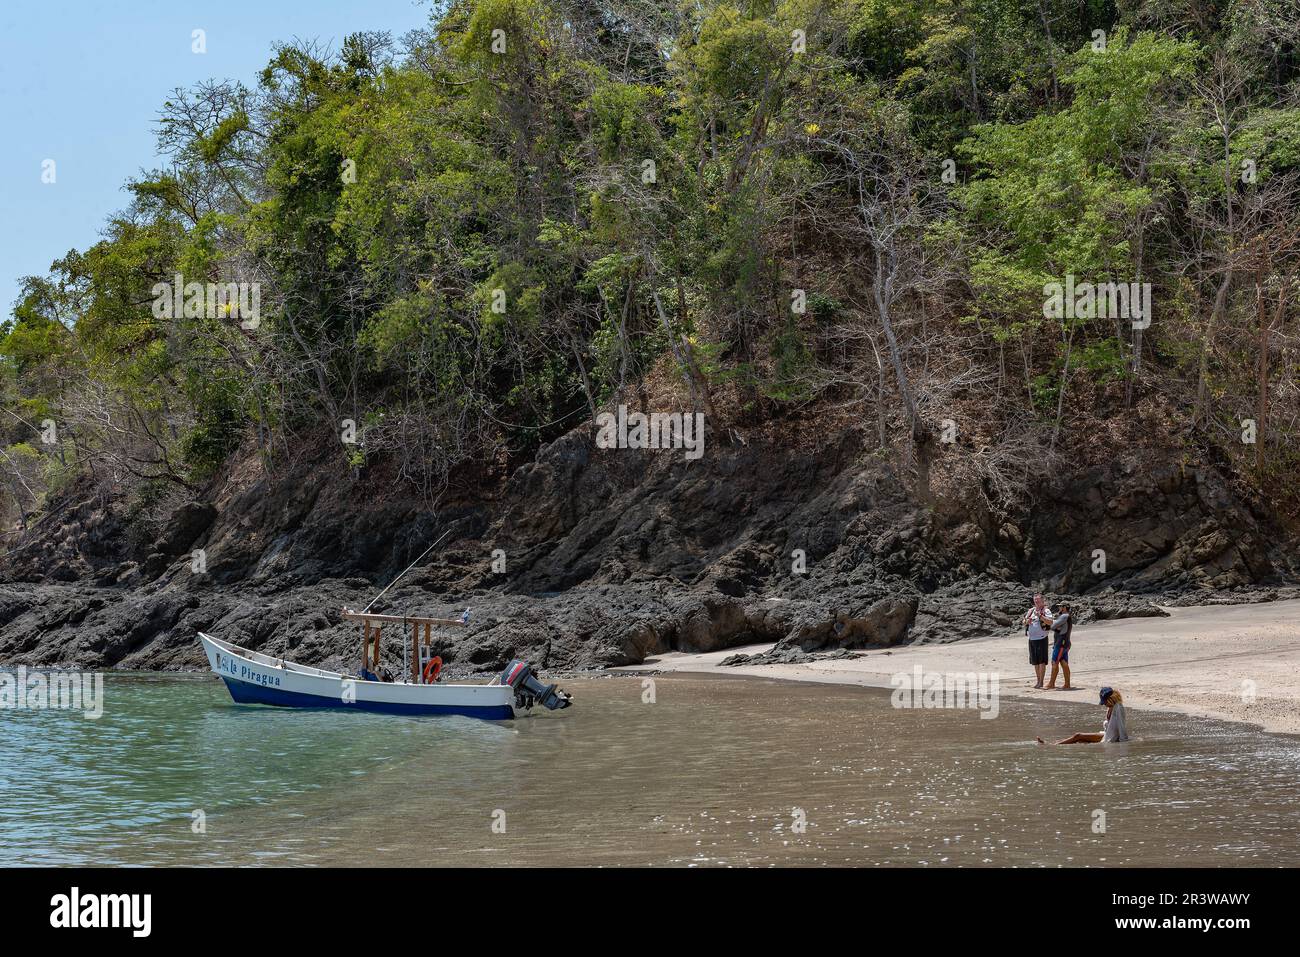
pixel 255 678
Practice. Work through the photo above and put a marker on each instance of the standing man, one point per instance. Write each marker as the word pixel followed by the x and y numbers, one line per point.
pixel 1037 621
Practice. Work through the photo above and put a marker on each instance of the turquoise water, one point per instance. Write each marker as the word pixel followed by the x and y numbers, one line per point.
pixel 714 771
pixel 123 788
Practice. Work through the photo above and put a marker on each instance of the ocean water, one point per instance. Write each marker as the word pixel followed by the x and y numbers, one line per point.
pixel 703 771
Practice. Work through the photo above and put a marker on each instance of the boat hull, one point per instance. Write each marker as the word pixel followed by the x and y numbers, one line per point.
pixel 254 678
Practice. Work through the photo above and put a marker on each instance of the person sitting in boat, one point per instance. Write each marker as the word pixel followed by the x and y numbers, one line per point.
pixel 1113 728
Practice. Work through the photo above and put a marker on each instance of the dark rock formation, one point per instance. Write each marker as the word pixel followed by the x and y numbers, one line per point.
pixel 614 556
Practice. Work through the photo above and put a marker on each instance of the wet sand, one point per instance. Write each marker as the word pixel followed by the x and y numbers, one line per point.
pixel 1232 662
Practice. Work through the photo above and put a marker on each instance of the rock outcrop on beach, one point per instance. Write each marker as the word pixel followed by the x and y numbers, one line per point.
pixel 587 557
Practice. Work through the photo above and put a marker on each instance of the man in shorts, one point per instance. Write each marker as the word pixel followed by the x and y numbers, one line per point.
pixel 1038 622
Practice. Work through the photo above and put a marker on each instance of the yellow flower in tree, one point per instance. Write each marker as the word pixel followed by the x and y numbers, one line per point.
pixel 812 129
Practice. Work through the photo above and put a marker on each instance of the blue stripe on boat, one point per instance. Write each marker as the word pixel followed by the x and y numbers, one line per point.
pixel 245 693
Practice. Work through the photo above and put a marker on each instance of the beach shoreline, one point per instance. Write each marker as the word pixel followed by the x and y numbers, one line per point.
pixel 1229 662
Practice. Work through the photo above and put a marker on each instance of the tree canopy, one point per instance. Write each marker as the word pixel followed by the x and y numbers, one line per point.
pixel 468 241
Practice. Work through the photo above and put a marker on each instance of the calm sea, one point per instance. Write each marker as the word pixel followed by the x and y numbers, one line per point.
pixel 703 771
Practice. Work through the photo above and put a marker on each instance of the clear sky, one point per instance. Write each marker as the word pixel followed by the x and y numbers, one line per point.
pixel 81 83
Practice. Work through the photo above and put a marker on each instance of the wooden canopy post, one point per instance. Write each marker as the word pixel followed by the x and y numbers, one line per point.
pixel 369 621
pixel 415 652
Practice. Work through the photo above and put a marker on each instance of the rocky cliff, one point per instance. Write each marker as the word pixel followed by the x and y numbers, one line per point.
pixel 585 557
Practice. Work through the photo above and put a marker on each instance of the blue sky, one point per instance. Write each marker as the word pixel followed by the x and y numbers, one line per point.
pixel 81 83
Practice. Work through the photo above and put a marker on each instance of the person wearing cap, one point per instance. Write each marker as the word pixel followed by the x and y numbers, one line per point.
pixel 1113 728
pixel 1061 628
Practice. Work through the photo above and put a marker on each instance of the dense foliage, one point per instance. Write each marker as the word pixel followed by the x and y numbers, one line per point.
pixel 466 242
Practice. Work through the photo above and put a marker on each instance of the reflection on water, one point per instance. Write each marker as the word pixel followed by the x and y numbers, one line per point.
pixel 715 772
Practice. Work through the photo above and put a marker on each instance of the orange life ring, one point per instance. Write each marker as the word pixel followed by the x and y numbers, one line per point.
pixel 433 665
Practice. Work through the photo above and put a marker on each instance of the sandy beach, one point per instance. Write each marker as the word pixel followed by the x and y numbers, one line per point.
pixel 1234 662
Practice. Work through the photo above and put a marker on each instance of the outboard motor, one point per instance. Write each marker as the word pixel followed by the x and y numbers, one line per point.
pixel 529 691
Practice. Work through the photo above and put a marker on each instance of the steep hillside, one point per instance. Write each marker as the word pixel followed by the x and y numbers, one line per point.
pixel 611 555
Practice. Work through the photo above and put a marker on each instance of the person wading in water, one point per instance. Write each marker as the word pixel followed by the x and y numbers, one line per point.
pixel 1114 728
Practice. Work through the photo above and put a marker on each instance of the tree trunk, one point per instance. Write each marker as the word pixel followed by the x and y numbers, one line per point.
pixel 884 295
pixel 1266 326
pixel 1220 305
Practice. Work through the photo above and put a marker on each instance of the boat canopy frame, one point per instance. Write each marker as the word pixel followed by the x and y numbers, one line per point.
pixel 370 638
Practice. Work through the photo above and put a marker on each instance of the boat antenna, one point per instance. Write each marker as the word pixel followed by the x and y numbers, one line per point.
pixel 405 570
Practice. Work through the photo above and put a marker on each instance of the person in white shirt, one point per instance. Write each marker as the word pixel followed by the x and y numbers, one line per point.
pixel 1113 729
pixel 1037 621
